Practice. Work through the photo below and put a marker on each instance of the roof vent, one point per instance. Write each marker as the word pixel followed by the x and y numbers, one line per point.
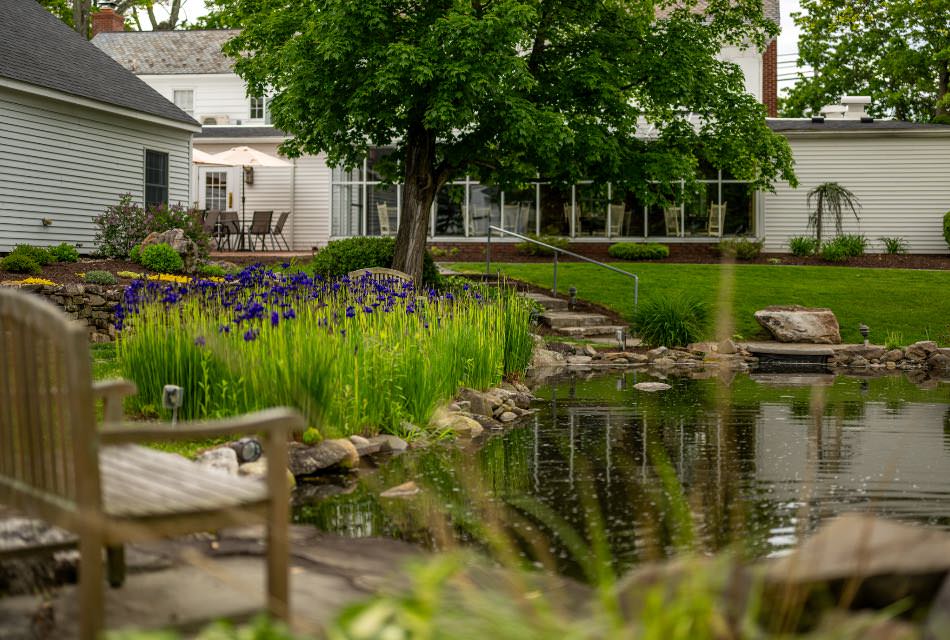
pixel 817 119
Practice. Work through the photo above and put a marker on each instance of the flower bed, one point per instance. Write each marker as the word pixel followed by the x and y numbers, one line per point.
pixel 355 356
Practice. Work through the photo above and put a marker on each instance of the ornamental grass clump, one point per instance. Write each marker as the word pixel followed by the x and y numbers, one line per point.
pixel 355 356
pixel 671 321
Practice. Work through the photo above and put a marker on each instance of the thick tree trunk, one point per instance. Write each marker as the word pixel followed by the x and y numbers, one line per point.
pixel 942 81
pixel 81 12
pixel 422 184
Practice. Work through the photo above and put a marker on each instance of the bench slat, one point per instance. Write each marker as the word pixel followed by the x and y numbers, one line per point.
pixel 138 482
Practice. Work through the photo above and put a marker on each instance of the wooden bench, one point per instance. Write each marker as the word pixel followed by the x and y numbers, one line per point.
pixel 379 274
pixel 57 465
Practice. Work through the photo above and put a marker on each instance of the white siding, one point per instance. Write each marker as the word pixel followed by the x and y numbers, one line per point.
pixel 901 179
pixel 750 61
pixel 312 208
pixel 215 94
pixel 68 163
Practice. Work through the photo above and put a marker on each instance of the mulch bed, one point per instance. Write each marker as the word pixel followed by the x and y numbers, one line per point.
pixel 706 254
pixel 68 272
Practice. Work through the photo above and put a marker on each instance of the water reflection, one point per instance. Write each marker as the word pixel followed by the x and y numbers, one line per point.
pixel 752 464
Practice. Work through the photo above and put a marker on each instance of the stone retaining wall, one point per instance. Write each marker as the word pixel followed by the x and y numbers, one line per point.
pixel 94 304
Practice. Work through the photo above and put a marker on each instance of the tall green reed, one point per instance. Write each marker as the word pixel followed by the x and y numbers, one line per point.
pixel 355 356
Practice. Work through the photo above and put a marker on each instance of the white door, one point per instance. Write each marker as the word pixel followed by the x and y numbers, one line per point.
pixel 215 188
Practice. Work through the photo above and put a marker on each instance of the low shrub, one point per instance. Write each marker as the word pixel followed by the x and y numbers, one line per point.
pixel 211 271
pixel 42 256
pixel 740 248
pixel 671 321
pixel 532 249
pixel 20 263
pixel 803 246
pixel 64 252
pixel 340 257
pixel 894 246
pixel 946 227
pixel 844 247
pixel 638 251
pixel 135 255
pixel 100 277
pixel 162 258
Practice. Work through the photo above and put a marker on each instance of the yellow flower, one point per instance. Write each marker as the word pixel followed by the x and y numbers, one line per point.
pixel 37 281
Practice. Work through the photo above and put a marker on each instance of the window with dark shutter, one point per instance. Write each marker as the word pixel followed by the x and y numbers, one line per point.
pixel 156 177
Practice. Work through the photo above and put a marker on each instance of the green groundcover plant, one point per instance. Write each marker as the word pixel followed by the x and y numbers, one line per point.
pixel 671 321
pixel 355 356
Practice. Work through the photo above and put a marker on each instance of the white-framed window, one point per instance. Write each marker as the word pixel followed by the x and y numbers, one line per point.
pixel 216 190
pixel 259 110
pixel 184 99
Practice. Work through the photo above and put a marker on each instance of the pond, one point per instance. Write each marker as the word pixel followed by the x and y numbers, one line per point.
pixel 751 463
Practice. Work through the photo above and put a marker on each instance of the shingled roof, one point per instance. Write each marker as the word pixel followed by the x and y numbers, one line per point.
pixel 770 8
pixel 168 52
pixel 838 125
pixel 38 49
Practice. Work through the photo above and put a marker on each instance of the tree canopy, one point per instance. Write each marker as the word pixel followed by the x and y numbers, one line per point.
pixel 507 90
pixel 895 51
pixel 78 13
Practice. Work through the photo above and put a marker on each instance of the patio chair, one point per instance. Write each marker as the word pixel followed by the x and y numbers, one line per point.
pixel 278 230
pixel 717 213
pixel 671 218
pixel 480 218
pixel 382 213
pixel 260 227
pixel 58 465
pixel 211 226
pixel 230 225
pixel 618 215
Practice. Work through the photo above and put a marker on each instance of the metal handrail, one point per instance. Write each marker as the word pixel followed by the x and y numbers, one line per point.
pixel 557 250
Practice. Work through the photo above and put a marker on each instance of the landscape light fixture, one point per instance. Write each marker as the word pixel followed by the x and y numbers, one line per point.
pixel 172 397
pixel 247 450
pixel 865 331
pixel 622 338
pixel 572 292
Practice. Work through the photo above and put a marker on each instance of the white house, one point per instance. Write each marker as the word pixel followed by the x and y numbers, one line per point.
pixel 77 131
pixel 897 169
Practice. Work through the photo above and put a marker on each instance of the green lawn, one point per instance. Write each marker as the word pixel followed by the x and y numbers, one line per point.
pixel 915 303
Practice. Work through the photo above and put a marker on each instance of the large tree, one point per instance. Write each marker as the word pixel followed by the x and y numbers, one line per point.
pixel 78 13
pixel 506 90
pixel 896 51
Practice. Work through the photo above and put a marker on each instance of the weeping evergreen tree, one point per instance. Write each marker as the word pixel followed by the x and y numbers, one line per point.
pixel 830 198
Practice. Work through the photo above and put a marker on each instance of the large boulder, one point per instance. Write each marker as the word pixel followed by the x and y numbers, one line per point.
pixel 177 240
pixel 800 324
pixel 329 454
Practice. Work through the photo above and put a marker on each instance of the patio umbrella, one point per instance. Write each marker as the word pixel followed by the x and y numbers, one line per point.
pixel 201 157
pixel 244 157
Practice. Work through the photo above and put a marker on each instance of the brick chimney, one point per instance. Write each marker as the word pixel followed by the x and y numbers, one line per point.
pixel 106 20
pixel 770 79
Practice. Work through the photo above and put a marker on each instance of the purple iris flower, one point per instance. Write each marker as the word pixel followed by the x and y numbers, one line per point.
pixel 200 341
pixel 274 319
pixel 350 312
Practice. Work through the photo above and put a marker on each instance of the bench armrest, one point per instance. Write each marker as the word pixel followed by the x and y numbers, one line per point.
pixel 278 421
pixel 112 392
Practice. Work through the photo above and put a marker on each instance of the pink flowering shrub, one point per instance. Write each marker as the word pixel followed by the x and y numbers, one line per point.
pixel 123 226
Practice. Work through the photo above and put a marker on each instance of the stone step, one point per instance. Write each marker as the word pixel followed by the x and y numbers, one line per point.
pixel 592 332
pixel 548 302
pixel 559 319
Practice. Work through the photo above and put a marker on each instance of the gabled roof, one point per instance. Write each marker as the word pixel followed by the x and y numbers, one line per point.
pixel 37 48
pixel 168 52
pixel 839 125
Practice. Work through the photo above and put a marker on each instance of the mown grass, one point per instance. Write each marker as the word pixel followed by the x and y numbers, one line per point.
pixel 913 302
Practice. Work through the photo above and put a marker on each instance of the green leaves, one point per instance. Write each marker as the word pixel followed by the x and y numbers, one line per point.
pixel 894 50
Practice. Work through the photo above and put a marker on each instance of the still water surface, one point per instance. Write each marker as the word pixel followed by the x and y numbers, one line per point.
pixel 749 464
